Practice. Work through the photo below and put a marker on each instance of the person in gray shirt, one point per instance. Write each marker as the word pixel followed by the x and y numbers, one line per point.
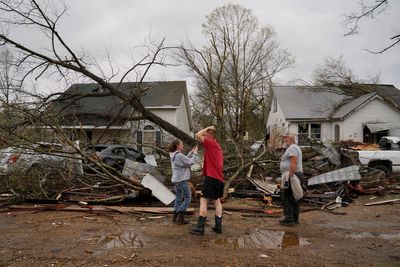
pixel 292 162
pixel 180 164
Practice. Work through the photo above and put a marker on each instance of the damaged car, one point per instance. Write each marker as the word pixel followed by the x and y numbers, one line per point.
pixel 42 156
pixel 112 155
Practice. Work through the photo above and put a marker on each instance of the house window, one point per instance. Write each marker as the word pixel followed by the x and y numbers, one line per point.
pixel 148 137
pixel 274 105
pixel 89 136
pixel 302 134
pixel 337 132
pixel 308 130
pixel 315 131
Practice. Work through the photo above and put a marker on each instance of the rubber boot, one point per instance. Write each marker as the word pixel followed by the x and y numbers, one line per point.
pixel 175 217
pixel 181 219
pixel 218 225
pixel 199 230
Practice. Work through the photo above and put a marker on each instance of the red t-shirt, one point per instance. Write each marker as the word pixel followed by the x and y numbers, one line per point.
pixel 213 159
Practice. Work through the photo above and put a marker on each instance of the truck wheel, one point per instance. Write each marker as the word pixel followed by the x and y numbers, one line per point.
pixel 381 167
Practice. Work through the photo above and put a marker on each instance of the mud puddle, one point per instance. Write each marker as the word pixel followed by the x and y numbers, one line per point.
pixel 264 239
pixel 128 239
pixel 375 235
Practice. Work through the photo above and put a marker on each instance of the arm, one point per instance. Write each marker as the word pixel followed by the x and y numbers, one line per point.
pixel 293 165
pixel 200 134
pixel 184 161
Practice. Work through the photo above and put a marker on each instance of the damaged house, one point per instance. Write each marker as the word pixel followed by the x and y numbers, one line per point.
pixel 106 119
pixel 362 113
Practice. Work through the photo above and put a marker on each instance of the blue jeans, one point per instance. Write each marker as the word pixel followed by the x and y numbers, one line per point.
pixel 183 196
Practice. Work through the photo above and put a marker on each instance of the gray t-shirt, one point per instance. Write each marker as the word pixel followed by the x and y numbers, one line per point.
pixel 292 150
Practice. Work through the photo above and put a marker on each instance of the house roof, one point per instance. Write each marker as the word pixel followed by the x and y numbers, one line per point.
pixel 307 102
pixel 387 91
pixel 329 102
pixel 103 110
pixel 352 105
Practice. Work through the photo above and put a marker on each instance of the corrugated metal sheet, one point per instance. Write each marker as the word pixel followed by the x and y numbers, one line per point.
pixel 346 174
pixel 308 102
pixel 263 186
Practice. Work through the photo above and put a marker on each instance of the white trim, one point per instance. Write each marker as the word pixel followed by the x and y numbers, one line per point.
pixel 162 107
pixel 89 127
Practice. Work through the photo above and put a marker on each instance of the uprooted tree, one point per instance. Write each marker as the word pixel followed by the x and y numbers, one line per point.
pixel 241 80
pixel 57 60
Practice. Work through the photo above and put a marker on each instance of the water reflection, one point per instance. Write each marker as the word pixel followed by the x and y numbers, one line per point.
pixel 264 239
pixel 126 239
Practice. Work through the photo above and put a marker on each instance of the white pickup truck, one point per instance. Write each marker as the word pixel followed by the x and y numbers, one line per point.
pixel 386 159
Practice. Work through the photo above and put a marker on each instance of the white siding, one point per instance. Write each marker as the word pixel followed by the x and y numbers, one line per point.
pixel 276 119
pixel 183 118
pixel 168 115
pixel 374 112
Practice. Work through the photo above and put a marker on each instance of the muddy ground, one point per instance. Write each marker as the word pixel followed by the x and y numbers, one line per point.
pixel 363 236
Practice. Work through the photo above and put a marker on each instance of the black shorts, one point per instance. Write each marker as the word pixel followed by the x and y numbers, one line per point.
pixel 212 188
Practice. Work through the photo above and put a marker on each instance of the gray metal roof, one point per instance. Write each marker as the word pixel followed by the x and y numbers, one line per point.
pixel 102 110
pixel 347 108
pixel 387 91
pixel 329 102
pixel 308 102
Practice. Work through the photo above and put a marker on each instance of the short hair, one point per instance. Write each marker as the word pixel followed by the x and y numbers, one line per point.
pixel 172 147
pixel 212 132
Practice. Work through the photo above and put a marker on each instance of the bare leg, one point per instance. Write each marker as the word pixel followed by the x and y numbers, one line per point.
pixel 203 207
pixel 218 207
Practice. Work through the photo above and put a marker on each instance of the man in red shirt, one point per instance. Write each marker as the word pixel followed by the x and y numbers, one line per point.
pixel 213 184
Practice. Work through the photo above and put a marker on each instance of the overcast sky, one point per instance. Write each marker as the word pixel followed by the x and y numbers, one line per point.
pixel 311 30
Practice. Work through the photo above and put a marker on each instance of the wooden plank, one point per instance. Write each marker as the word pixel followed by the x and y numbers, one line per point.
pixel 382 202
pixel 58 207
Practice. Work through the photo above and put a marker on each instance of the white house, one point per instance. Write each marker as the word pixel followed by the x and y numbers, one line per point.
pixel 335 114
pixel 107 119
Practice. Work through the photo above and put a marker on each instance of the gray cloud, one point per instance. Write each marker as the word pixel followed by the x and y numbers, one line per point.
pixel 311 30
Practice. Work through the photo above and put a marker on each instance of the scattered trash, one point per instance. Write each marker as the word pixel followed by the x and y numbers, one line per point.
pixel 345 174
pixel 139 170
pixel 382 202
pixel 158 189
pixel 151 160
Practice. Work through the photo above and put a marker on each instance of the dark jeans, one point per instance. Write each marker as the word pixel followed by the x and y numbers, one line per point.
pixel 291 208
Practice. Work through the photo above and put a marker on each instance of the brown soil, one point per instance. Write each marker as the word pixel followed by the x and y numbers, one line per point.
pixel 364 236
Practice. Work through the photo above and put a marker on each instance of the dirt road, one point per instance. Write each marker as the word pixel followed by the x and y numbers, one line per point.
pixel 364 236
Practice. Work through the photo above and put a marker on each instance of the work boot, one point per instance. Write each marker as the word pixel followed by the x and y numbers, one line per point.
pixel 286 222
pixel 218 225
pixel 175 217
pixel 180 219
pixel 199 230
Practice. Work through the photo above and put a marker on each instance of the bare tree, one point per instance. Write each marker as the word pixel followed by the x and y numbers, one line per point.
pixel 336 72
pixel 8 82
pixel 333 71
pixel 60 59
pixel 370 11
pixel 234 70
